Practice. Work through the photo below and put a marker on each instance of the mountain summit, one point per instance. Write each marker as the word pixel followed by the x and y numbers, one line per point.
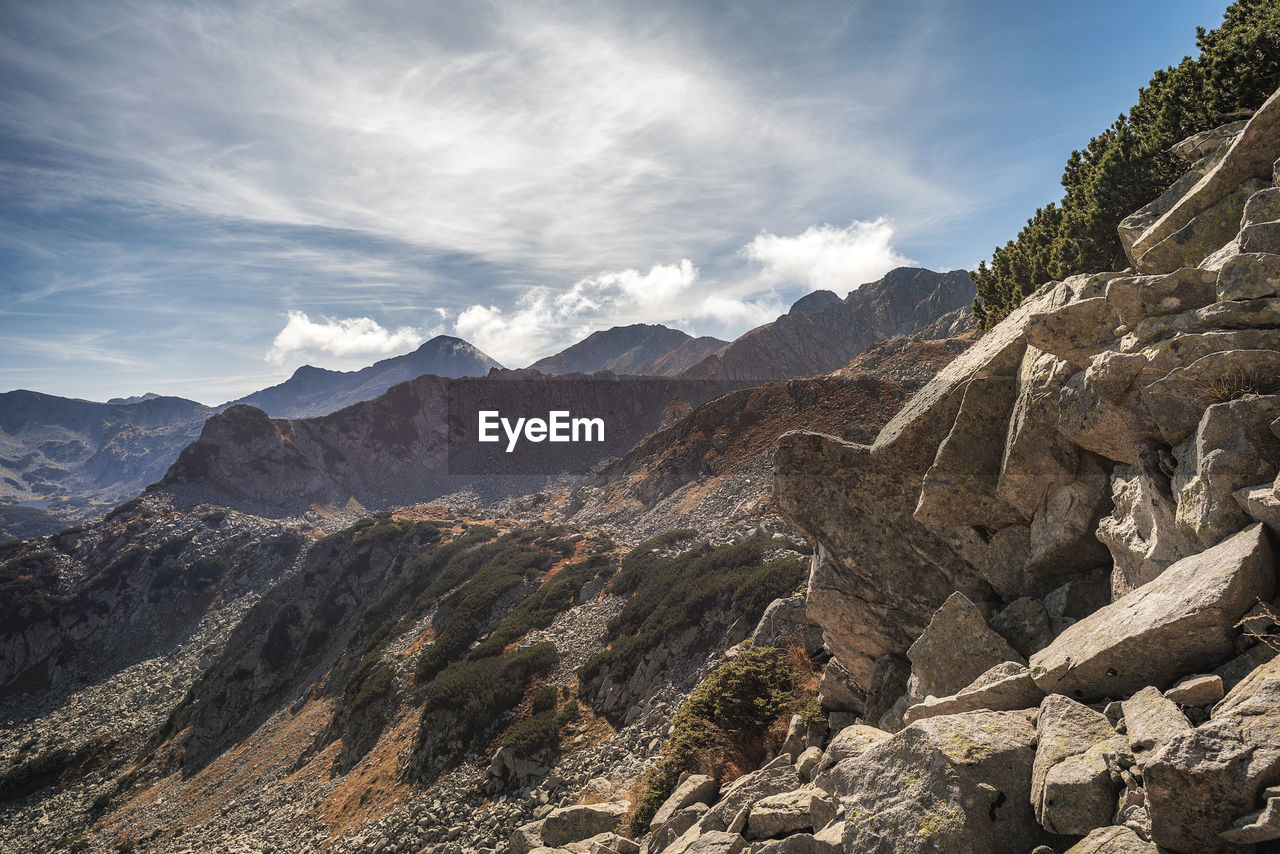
pixel 640 348
pixel 313 391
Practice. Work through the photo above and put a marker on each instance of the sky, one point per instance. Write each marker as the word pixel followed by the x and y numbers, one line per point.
pixel 196 197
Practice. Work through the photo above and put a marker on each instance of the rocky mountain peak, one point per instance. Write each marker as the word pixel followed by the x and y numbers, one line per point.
pixel 640 348
pixel 815 301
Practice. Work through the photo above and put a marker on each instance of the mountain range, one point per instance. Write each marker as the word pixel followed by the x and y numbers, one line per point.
pixel 63 460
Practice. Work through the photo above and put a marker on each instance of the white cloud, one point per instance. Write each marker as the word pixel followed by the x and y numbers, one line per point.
pixel 343 337
pixel 544 320
pixel 734 312
pixel 826 257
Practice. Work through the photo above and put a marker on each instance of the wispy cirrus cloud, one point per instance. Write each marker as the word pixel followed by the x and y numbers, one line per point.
pixel 182 175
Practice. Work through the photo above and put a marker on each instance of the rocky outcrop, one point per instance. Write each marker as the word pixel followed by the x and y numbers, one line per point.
pixel 1117 427
pixel 1071 788
pixel 1108 410
pixel 952 783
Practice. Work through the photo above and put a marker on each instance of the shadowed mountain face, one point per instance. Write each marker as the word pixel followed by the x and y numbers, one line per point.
pixel 395 449
pixel 78 455
pixel 823 332
pixel 637 349
pixel 317 391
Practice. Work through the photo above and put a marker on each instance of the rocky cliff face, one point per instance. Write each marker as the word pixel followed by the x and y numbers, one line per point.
pixel 820 334
pixel 1095 479
pixel 315 391
pixel 637 349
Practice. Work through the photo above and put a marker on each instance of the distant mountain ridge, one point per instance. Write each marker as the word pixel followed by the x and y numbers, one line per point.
pixel 640 348
pixel 55 449
pixel 315 391
pixel 822 332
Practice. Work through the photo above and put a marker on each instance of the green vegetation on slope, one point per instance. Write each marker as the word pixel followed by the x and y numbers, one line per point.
pixel 672 593
pixel 1129 164
pixel 474 695
pixel 494 569
pixel 724 726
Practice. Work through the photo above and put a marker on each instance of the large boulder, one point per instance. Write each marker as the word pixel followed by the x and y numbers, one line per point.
pixel 1142 532
pixel 781 814
pixel 694 789
pixel 1182 622
pixel 1071 789
pixel 775 778
pixel 1135 298
pixel 837 690
pixel 960 487
pixel 850 743
pixel 1075 332
pixel 1201 781
pixel 1261 503
pixel 957 647
pixel 1151 721
pixel 1005 687
pixel 526 838
pixel 1205 232
pixel 785 624
pixel 1232 448
pixel 1035 456
pixel 1113 840
pixel 1251 275
pixel 576 823
pixel 958 784
pixel 677 825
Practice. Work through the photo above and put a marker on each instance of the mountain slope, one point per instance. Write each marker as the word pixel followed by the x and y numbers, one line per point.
pixel 317 391
pixel 637 349
pixel 78 455
pixel 821 332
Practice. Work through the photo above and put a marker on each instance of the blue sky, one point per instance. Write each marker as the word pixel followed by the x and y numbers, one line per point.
pixel 198 197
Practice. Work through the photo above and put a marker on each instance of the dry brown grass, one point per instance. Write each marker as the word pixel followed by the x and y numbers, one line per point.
pixel 1232 385
pixel 375 787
